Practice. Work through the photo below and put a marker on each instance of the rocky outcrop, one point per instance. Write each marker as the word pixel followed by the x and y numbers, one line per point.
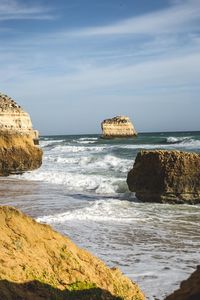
pixel 39 263
pixel 189 289
pixel 18 140
pixel 13 118
pixel 166 176
pixel 119 126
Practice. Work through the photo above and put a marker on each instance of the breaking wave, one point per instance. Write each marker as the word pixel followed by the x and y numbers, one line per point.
pixel 92 163
pixel 74 182
pixel 183 142
pixel 100 210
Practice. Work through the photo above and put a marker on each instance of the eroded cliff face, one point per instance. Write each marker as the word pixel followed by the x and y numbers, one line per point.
pixel 12 117
pixel 18 140
pixel 119 126
pixel 39 263
pixel 166 176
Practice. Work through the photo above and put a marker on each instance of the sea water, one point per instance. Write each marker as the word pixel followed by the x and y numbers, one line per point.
pixel 81 191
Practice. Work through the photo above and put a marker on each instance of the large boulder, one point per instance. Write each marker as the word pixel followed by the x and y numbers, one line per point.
pixel 19 150
pixel 119 126
pixel 166 176
pixel 189 289
pixel 39 263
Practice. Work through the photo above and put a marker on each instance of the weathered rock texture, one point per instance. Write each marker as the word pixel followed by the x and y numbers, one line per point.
pixel 13 118
pixel 39 263
pixel 189 289
pixel 119 126
pixel 18 150
pixel 166 176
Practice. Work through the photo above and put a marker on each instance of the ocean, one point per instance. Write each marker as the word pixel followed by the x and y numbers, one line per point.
pixel 81 191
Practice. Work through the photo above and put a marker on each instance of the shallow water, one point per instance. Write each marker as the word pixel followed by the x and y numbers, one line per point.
pixel 81 191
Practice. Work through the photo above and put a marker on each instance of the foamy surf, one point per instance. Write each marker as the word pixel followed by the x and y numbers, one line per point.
pixel 186 142
pixel 79 182
pixel 101 211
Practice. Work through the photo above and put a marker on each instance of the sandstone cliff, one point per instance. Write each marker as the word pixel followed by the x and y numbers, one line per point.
pixel 189 289
pixel 39 263
pixel 18 140
pixel 119 126
pixel 13 119
pixel 166 176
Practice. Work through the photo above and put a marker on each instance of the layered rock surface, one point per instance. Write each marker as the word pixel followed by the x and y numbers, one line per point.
pixel 18 140
pixel 39 263
pixel 119 126
pixel 189 289
pixel 166 176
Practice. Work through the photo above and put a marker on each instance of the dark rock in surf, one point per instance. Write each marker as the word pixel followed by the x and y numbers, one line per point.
pixel 189 289
pixel 166 176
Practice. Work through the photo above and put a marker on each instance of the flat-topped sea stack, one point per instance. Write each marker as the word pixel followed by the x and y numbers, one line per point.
pixel 166 176
pixel 39 263
pixel 117 127
pixel 19 151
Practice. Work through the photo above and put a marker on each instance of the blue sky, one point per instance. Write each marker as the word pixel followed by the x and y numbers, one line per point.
pixel 73 63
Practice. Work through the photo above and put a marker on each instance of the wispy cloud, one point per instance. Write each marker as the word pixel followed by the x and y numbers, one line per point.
pixel 178 16
pixel 15 10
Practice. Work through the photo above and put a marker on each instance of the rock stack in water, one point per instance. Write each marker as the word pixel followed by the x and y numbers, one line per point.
pixel 39 263
pixel 119 126
pixel 166 176
pixel 18 141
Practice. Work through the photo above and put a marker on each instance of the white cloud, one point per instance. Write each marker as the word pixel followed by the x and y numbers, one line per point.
pixel 15 10
pixel 176 17
pixel 170 73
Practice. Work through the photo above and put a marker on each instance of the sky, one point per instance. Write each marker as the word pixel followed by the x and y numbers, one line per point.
pixel 73 63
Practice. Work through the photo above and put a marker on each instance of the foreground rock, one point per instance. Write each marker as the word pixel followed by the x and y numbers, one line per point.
pixel 189 289
pixel 166 176
pixel 39 263
pixel 119 126
pixel 18 141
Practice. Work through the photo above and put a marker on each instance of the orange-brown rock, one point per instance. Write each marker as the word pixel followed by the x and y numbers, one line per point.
pixel 166 176
pixel 119 126
pixel 38 263
pixel 18 154
pixel 18 141
pixel 189 289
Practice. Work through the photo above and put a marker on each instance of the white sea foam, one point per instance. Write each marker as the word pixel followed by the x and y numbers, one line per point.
pixel 89 139
pixel 48 142
pixel 86 142
pixel 75 149
pixel 91 163
pixel 184 142
pixel 100 210
pixel 174 144
pixel 75 182
pixel 172 139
